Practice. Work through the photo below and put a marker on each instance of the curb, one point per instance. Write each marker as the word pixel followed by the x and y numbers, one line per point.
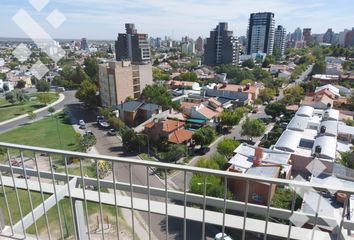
pixel 61 98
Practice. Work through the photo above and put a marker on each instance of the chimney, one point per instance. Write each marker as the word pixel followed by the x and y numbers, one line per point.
pixel 258 156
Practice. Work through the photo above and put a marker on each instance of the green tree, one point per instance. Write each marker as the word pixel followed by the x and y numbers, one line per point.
pixel 275 109
pixel 231 119
pixel 189 76
pixel 21 84
pixel 248 63
pixel 158 95
pixel 43 86
pixel 267 94
pixel 2 76
pixel 347 159
pixel 91 68
pixel 204 136
pixel 116 123
pixel 160 75
pixel 268 60
pixel 87 141
pixel 79 76
pixel 253 128
pixel 131 141
pixel 293 95
pixel 319 67
pixel 44 98
pixel 87 94
pixel 174 153
pixel 261 75
pixel 227 147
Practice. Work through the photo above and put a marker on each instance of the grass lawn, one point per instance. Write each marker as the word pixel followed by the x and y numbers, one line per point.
pixel 44 133
pixel 8 110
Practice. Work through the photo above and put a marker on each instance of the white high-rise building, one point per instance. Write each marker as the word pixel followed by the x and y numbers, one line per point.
pixel 261 33
pixel 279 41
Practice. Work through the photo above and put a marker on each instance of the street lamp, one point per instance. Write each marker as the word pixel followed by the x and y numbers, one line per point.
pixel 148 143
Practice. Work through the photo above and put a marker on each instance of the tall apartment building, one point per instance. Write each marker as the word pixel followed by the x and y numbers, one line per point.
pixel 261 33
pixel 84 45
pixel 221 47
pixel 306 33
pixel 119 80
pixel 297 35
pixel 279 41
pixel 349 38
pixel 328 37
pixel 133 46
pixel 199 44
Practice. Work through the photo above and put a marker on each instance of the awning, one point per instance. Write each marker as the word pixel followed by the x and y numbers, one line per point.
pixel 197 121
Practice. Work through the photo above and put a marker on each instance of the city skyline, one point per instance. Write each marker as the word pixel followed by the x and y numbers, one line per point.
pixel 104 19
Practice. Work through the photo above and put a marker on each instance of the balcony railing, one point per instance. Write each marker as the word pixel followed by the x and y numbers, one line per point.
pixel 53 194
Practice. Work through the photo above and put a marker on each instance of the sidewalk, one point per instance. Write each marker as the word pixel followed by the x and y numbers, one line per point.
pixel 61 98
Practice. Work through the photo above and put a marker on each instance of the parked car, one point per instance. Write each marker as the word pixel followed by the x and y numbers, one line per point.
pixel 82 124
pixel 88 132
pixel 112 132
pixel 220 236
pixel 60 89
pixel 99 118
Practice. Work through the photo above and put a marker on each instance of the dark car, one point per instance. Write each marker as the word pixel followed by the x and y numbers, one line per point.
pixel 112 132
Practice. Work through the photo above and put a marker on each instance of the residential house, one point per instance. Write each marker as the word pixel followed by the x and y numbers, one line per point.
pixel 321 101
pixel 134 112
pixel 257 161
pixel 326 79
pixel 334 69
pixel 205 112
pixel 169 130
pixel 241 95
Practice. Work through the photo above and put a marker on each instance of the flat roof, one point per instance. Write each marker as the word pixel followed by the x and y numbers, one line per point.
pixel 268 171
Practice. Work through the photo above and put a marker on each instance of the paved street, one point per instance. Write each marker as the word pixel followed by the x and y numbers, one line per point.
pixel 112 146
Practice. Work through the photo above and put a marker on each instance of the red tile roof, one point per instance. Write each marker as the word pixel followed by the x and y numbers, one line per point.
pixel 180 136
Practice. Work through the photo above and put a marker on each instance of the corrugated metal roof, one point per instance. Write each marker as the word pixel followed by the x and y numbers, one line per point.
pixel 298 123
pixel 305 111
pixel 289 141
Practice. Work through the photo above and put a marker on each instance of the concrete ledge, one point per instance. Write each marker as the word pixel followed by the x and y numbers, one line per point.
pixel 61 98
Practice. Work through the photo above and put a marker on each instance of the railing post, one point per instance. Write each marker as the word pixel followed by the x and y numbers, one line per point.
pixel 79 216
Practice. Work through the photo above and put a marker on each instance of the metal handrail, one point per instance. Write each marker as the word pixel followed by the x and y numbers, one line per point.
pixel 219 173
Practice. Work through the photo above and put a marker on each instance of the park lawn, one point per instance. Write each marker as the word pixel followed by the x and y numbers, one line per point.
pixel 9 111
pixel 44 133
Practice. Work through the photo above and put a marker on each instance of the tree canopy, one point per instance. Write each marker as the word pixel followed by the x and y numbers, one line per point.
pixel 267 94
pixel 204 136
pixel 275 109
pixel 158 95
pixel 253 128
pixel 248 63
pixel 227 147
pixel 87 94
pixel 43 86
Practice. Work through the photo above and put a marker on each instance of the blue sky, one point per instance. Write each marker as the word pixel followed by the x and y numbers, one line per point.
pixel 103 19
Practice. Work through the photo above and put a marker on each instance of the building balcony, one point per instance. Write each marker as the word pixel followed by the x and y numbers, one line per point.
pixel 59 194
